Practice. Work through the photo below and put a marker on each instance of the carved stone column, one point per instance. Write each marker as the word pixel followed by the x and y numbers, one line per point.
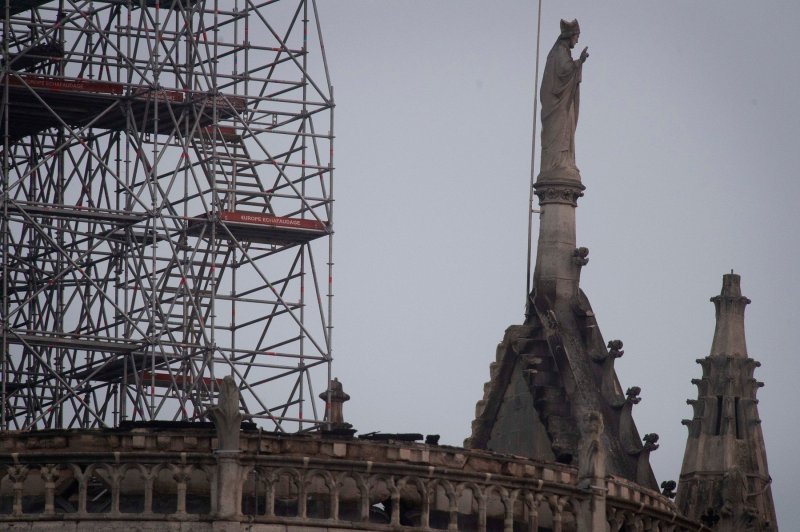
pixel 591 474
pixel 228 421
pixel 181 476
pixel 49 475
pixel 17 474
pixel 556 273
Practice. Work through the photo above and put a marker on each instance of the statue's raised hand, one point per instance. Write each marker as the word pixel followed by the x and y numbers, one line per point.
pixel 584 54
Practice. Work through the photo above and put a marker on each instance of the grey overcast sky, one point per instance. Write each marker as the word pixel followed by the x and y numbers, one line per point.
pixel 689 146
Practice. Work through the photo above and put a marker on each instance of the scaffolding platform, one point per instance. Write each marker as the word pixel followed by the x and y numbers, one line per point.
pixel 35 55
pixel 19 6
pixel 16 7
pixel 39 102
pixel 165 380
pixel 71 342
pixel 261 227
pixel 72 212
pixel 163 4
pixel 113 370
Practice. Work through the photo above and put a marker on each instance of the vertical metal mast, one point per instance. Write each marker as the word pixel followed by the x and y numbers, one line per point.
pixel 167 185
pixel 531 208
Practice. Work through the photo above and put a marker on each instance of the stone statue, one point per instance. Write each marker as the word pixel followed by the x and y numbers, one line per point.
pixel 735 509
pixel 560 98
pixel 591 457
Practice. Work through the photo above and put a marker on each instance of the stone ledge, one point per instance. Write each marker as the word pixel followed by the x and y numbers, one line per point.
pixel 303 482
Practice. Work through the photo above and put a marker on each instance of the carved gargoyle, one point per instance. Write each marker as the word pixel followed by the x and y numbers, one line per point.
pixel 580 256
pixel 668 488
pixel 633 395
pixel 615 349
pixel 226 415
pixel 650 441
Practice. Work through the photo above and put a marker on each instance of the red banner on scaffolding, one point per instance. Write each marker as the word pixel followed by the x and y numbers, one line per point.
pixel 275 221
pixel 61 84
pixel 160 95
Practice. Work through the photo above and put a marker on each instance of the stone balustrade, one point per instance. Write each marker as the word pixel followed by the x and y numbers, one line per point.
pixel 151 479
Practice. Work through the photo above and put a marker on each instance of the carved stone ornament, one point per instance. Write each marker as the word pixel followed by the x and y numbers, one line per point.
pixel 552 320
pixel 650 441
pixel 668 488
pixel 615 349
pixel 580 256
pixel 550 193
pixel 734 495
pixel 335 398
pixel 633 394
pixel 710 518
pixel 591 457
pixel 226 415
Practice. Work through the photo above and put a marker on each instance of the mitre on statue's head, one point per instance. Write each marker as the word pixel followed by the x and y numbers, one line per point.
pixel 569 29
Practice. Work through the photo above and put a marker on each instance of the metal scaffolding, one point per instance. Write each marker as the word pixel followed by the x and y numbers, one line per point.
pixel 167 180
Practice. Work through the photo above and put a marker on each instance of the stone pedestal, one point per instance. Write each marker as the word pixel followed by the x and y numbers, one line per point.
pixel 228 485
pixel 556 273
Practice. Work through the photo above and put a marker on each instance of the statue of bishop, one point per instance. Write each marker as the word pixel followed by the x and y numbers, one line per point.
pixel 560 96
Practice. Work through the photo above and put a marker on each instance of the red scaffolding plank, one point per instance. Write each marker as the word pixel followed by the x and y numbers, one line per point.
pixel 262 227
pixel 80 101
pixel 271 221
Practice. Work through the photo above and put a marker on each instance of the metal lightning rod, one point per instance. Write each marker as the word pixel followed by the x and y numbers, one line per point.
pixel 531 210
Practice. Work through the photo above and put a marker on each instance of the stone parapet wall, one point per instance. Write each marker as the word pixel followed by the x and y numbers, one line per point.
pixel 150 479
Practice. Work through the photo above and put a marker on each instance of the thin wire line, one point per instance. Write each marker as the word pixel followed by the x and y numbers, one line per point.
pixel 533 150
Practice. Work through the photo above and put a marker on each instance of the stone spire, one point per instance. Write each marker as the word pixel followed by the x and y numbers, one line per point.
pixel 729 332
pixel 555 371
pixel 724 479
